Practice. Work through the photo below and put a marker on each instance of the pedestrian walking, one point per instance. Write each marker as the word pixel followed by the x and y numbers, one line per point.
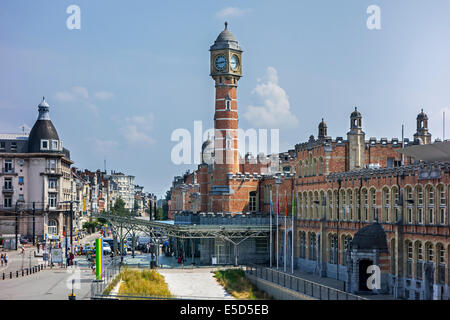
pixel 1 258
pixel 5 257
pixel 38 246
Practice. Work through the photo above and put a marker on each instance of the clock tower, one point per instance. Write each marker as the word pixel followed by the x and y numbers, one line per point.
pixel 226 70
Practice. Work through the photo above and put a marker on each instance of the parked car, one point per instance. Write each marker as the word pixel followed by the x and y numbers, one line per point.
pixel 142 243
pixel 106 248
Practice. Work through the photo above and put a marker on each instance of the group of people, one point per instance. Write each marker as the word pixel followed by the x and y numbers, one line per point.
pixel 4 259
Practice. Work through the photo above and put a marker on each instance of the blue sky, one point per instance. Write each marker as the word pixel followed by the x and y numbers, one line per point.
pixel 138 70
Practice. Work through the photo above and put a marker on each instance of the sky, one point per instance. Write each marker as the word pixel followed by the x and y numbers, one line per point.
pixel 136 71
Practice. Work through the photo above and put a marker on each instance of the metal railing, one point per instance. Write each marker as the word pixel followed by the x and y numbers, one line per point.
pixel 299 285
pixel 110 272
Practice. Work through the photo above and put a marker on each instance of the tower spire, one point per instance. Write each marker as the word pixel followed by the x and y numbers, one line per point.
pixel 226 25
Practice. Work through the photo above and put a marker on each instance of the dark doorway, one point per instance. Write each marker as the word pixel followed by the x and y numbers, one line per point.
pixel 363 275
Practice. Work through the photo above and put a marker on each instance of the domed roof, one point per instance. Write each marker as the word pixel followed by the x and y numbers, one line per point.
pixel 206 144
pixel 370 237
pixel 225 40
pixel 322 124
pixel 43 129
pixel 422 116
pixel 207 151
pixel 356 113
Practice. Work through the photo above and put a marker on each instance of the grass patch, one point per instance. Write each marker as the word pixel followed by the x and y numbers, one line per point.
pixel 145 283
pixel 235 283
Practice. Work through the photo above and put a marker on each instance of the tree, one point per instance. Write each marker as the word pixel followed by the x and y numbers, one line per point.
pixel 119 208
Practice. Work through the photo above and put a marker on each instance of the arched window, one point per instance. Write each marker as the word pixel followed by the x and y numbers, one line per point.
pixel 373 204
pixel 409 207
pixel 341 212
pixel 386 205
pixel 440 260
pixel 312 246
pixel 302 245
pixel 314 167
pixel 350 204
pixel 316 205
pixel 442 204
pixel 419 201
pixel 332 245
pixel 419 260
pixel 409 261
pixel 52 227
pixel 329 205
pixel 321 169
pixel 430 204
pixel 365 205
pixel 429 252
pixel 395 208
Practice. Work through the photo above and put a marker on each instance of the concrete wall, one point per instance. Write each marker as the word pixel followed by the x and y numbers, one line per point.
pixel 276 291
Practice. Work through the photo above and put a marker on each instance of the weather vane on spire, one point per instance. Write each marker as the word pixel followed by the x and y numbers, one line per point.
pixel 226 25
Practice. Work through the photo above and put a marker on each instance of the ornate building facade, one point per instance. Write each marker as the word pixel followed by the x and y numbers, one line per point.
pixel 356 202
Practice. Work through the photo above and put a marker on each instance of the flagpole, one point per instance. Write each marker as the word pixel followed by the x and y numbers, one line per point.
pixel 278 213
pixel 271 211
pixel 285 230
pixel 292 245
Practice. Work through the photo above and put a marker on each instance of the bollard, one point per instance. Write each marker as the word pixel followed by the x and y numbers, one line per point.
pixel 10 274
pixel 27 271
pixel 3 276
pixel 22 273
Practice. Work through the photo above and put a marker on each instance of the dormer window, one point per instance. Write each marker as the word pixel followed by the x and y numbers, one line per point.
pixel 54 144
pixel 44 145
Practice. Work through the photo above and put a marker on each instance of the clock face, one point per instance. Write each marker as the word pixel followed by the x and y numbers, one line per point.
pixel 220 63
pixel 234 62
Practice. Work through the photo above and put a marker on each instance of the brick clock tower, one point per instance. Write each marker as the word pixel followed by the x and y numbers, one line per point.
pixel 226 70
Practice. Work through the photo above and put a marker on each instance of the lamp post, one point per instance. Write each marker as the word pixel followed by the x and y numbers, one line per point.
pixel 71 224
pixel 337 227
pixel 277 185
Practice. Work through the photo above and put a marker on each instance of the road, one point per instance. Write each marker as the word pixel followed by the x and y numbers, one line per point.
pixel 49 284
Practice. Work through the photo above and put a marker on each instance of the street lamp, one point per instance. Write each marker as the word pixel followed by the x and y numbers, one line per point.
pixel 277 185
pixel 71 224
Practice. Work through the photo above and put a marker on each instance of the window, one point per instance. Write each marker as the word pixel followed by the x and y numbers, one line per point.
pixel 442 215
pixel 8 184
pixel 52 200
pixel 52 227
pixel 312 247
pixel 8 166
pixel 52 183
pixel 52 165
pixel 228 104
pixel 2 145
pixel 21 198
pixel 430 216
pixel 252 202
pixel 7 202
pixel 419 215
pixel 13 146
pixel 44 145
pixel 409 214
pixel 21 181
pixel 419 196
pixel 54 144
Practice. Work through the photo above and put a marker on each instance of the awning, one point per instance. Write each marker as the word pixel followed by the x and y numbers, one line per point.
pixel 438 151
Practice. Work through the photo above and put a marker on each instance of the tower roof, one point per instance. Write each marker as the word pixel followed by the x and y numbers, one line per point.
pixel 422 116
pixel 43 129
pixel 226 40
pixel 322 124
pixel 356 113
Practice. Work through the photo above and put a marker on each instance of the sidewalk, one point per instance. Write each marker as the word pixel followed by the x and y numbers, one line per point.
pixel 331 282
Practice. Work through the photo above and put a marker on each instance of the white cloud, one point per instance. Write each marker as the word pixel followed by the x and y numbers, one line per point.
pixel 103 95
pixel 72 94
pixel 275 111
pixel 136 129
pixel 232 12
pixel 104 146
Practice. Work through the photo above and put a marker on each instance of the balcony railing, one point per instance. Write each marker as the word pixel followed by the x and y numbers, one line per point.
pixel 8 189
pixel 56 171
pixel 8 170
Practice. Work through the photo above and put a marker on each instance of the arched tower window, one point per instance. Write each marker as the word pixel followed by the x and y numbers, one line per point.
pixel 52 227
